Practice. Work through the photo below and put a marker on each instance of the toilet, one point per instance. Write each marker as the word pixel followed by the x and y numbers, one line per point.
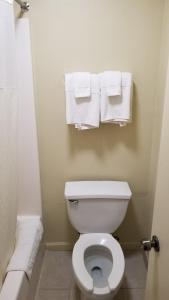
pixel 96 209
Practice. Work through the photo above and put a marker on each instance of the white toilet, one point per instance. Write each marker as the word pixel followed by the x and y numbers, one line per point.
pixel 96 209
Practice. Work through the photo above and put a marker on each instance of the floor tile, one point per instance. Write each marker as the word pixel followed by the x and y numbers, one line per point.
pixel 75 293
pixel 135 271
pixel 120 295
pixel 57 270
pixel 53 295
pixel 134 294
pixel 57 279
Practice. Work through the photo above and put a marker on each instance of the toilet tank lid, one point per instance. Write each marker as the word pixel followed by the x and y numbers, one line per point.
pixel 97 189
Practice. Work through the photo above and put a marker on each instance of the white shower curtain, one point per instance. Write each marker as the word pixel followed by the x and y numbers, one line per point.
pixel 8 122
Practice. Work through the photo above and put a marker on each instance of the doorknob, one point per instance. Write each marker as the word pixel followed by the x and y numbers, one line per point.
pixel 149 244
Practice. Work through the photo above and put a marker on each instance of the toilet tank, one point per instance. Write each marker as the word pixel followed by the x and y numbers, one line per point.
pixel 97 206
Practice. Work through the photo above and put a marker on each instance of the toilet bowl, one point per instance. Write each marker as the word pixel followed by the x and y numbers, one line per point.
pixel 96 209
pixel 98 265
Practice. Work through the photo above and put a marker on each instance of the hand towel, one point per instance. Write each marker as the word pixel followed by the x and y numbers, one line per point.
pixel 81 84
pixel 117 109
pixel 83 113
pixel 111 81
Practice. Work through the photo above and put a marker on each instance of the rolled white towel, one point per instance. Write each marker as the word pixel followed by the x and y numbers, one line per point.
pixel 28 236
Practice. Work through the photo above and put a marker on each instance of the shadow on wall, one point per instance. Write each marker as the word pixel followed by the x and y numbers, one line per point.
pixel 105 138
pixel 131 221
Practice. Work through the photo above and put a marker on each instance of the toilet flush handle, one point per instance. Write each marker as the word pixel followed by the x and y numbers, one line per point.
pixel 74 201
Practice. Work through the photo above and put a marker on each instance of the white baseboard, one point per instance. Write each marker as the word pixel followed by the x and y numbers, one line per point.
pixel 65 246
pixel 59 246
pixel 130 245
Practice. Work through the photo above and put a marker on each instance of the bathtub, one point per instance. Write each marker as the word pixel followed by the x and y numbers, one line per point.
pixel 17 284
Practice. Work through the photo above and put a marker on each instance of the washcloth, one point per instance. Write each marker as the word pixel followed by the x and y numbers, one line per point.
pixel 118 109
pixel 28 236
pixel 83 113
pixel 111 81
pixel 81 81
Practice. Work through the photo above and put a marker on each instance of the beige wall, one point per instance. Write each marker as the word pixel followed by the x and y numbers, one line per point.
pixel 95 35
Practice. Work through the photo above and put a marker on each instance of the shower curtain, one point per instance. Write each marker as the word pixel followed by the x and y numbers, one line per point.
pixel 8 123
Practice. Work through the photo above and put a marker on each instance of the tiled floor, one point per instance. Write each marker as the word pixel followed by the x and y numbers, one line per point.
pixel 57 282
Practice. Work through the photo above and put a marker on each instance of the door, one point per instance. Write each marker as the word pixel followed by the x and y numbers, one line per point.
pixel 158 269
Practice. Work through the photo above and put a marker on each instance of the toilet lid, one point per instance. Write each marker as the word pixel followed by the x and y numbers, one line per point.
pixel 81 273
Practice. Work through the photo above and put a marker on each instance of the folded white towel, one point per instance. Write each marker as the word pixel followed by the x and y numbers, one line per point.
pixel 111 81
pixel 81 84
pixel 28 236
pixel 117 109
pixel 82 112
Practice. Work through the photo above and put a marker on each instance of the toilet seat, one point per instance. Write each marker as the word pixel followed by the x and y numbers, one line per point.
pixel 85 280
